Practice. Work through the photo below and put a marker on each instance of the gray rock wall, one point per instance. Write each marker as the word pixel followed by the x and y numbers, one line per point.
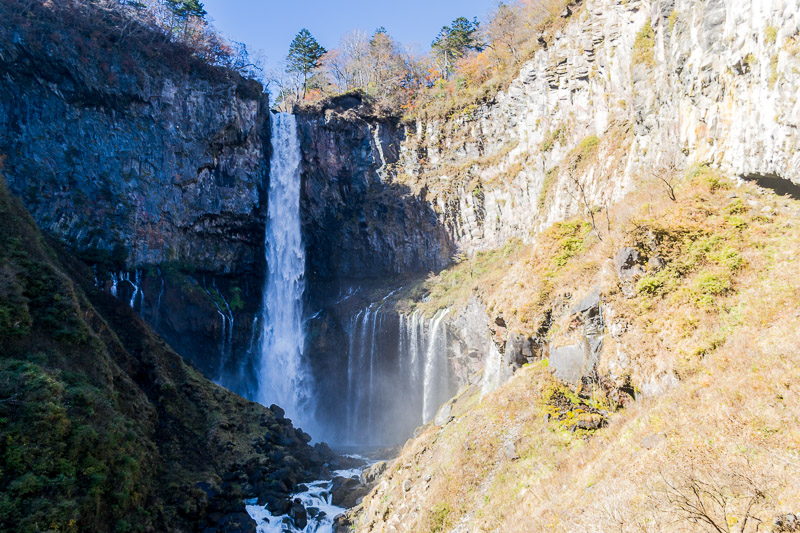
pixel 160 166
pixel 360 223
pixel 716 84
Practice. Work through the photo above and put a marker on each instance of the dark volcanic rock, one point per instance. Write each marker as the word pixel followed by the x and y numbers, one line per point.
pixel 160 165
pixel 298 514
pixel 348 492
pixel 237 523
pixel 342 524
pixel 141 156
pixel 359 222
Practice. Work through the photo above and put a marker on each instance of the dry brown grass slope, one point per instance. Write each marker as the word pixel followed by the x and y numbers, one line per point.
pixel 717 309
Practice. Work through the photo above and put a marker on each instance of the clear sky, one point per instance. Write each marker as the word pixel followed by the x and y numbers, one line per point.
pixel 270 25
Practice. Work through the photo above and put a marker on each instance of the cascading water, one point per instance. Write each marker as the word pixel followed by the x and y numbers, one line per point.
pixel 434 357
pixel 397 374
pixel 136 287
pixel 282 376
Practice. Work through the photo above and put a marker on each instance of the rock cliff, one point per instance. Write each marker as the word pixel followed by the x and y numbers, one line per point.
pixel 620 94
pixel 151 164
pixel 635 86
pixel 359 223
pixel 134 160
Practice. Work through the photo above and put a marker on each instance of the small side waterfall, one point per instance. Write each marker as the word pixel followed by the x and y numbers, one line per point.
pixel 226 316
pixel 397 375
pixel 282 375
pixel 136 287
pixel 435 359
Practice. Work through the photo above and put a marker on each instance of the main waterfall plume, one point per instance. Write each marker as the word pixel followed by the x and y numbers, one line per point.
pixel 283 378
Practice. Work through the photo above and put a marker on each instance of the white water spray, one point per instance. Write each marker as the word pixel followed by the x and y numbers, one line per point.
pixel 397 373
pixel 283 378
pixel 434 355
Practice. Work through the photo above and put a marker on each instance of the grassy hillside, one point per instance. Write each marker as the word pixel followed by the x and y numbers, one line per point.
pixel 102 426
pixel 706 335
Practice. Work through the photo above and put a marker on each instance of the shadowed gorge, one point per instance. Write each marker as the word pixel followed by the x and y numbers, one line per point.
pixel 541 275
pixel 102 413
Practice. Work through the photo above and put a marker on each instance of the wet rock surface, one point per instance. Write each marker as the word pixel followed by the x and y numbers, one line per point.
pixel 359 221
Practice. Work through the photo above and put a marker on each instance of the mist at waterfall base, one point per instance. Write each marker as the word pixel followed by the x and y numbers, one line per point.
pixel 393 377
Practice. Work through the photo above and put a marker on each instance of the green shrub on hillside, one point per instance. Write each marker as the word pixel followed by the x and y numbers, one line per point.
pixel 644 46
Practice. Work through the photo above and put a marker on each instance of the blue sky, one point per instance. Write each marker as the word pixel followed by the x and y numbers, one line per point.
pixel 270 25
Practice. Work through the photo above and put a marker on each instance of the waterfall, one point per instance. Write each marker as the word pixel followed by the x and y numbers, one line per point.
pixel 160 295
pixel 226 337
pixel 397 374
pixel 136 285
pixel 414 326
pixel 492 371
pixel 434 354
pixel 282 376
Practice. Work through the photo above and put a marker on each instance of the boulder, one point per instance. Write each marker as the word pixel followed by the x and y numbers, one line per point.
pixel 443 415
pixel 298 514
pixel 342 524
pixel 787 523
pixel 628 265
pixel 510 451
pixel 521 349
pixel 589 304
pixel 277 411
pixel 346 492
pixel 371 474
pixel 276 503
pixel 567 363
pixel 236 523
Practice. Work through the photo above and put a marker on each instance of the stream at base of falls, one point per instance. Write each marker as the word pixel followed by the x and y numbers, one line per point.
pixel 312 508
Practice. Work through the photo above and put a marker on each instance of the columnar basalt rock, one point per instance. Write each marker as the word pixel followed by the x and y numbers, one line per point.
pixel 360 222
pixel 621 92
pixel 159 167
pixel 633 101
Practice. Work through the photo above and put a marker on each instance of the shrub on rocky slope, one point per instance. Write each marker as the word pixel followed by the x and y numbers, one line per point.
pixel 103 427
pixel 701 325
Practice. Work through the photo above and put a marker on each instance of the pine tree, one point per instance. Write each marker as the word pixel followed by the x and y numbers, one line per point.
pixel 184 9
pixel 454 41
pixel 304 56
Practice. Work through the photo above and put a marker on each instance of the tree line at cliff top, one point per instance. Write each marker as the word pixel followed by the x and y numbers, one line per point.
pixel 175 31
pixel 467 59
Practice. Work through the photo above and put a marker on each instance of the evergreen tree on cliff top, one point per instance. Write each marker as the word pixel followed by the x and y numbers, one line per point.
pixel 184 9
pixel 304 56
pixel 454 41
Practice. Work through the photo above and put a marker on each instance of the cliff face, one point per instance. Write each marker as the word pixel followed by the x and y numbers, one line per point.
pixel 359 223
pixel 704 96
pixel 622 93
pixel 652 85
pixel 150 164
pixel 147 166
pixel 643 85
